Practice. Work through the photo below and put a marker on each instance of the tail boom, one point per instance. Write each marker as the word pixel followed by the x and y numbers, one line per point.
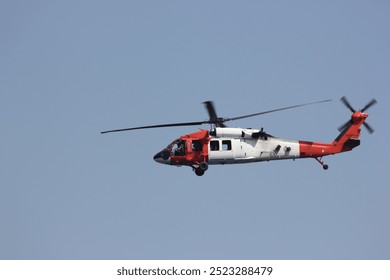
pixel 345 141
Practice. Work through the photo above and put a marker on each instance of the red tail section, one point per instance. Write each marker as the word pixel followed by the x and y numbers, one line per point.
pixel 346 141
pixel 349 136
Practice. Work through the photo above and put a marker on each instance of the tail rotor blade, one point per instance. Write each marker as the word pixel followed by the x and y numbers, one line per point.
pixel 347 104
pixel 341 128
pixel 369 104
pixel 369 128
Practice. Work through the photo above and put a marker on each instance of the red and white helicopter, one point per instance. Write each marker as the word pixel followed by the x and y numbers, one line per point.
pixel 226 145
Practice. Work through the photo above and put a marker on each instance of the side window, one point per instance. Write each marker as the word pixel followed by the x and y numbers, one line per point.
pixel 196 146
pixel 226 145
pixel 214 145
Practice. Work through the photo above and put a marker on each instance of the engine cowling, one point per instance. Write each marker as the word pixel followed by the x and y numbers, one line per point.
pixel 235 132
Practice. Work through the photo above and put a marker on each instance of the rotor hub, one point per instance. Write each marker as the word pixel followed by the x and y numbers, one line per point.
pixel 358 117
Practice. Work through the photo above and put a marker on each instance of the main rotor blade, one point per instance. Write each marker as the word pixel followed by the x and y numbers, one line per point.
pixel 156 126
pixel 213 114
pixel 347 104
pixel 369 104
pixel 211 110
pixel 369 128
pixel 275 110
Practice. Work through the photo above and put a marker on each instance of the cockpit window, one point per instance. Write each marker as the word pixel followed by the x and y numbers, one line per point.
pixel 170 146
pixel 178 148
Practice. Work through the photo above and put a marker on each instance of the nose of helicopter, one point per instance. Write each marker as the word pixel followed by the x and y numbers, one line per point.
pixel 163 157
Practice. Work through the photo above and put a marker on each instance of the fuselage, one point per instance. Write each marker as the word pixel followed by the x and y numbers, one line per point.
pixel 225 145
pixel 228 146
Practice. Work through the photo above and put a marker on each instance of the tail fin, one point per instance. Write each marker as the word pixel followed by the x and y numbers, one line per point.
pixel 350 133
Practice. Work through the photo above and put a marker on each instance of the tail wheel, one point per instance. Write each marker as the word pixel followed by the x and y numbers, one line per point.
pixel 325 167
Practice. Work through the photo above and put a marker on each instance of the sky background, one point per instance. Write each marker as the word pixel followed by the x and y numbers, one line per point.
pixel 70 69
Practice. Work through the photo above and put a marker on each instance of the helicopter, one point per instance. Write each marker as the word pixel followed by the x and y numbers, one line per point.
pixel 227 145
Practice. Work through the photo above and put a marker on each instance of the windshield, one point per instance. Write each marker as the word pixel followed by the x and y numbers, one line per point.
pixel 170 146
pixel 177 148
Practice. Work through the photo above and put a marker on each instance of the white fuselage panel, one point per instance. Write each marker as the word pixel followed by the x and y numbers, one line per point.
pixel 243 150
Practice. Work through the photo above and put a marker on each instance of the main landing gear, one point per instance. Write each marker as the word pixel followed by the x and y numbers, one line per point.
pixel 324 166
pixel 201 168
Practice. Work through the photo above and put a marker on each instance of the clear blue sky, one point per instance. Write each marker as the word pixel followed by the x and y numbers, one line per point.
pixel 70 69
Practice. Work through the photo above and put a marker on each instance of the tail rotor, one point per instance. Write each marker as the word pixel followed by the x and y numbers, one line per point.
pixel 347 104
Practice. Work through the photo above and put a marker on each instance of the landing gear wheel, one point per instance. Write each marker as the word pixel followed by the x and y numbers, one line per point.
pixel 203 166
pixel 325 167
pixel 199 172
